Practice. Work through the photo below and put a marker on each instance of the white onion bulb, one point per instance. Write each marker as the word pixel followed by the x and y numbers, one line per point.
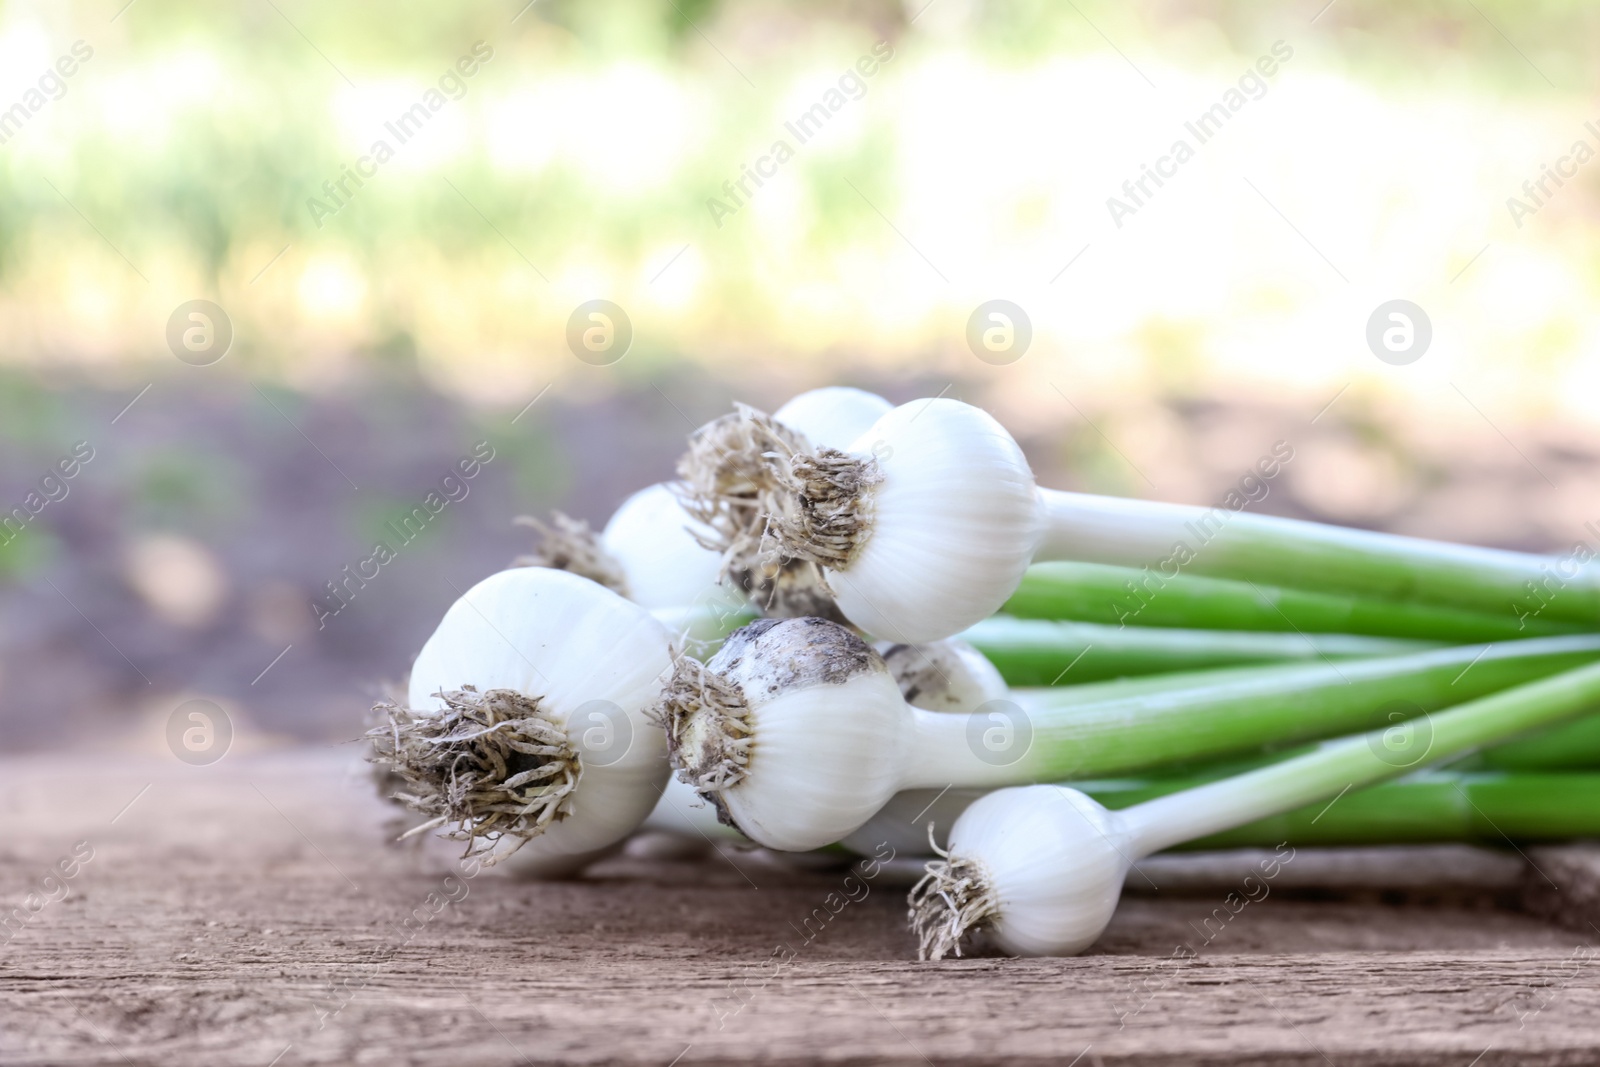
pixel 799 733
pixel 945 676
pixel 660 548
pixel 556 658
pixel 652 540
pixel 833 416
pixel 1040 867
pixel 919 529
pixel 728 484
pixel 947 528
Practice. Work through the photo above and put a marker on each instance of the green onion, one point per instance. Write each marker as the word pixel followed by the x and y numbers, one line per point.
pixel 799 734
pixel 1436 807
pixel 1042 866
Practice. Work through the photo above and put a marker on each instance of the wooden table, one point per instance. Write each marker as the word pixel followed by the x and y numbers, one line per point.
pixel 247 913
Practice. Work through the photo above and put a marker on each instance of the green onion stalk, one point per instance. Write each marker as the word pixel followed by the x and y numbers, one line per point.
pixel 915 817
pixel 1127 596
pixel 1574 746
pixel 1041 652
pixel 1036 652
pixel 1137 724
pixel 1428 808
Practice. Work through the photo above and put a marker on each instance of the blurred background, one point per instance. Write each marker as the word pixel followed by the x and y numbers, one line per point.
pixel 364 334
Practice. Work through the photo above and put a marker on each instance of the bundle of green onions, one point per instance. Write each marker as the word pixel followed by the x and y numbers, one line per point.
pixel 722 625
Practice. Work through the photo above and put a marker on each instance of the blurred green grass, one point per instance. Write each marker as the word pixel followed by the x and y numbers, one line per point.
pixel 194 139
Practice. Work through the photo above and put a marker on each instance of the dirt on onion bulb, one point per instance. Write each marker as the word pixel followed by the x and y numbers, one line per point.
pixel 727 487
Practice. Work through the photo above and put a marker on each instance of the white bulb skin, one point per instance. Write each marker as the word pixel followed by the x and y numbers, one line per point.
pixel 833 416
pixel 951 677
pixel 569 642
pixel 902 823
pixel 823 763
pixel 662 563
pixel 684 812
pixel 826 751
pixel 1054 861
pixel 952 525
pixel 946 676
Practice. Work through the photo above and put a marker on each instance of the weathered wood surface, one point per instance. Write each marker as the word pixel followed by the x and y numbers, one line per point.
pixel 229 905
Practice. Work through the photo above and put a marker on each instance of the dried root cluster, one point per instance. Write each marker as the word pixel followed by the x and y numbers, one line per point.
pixel 490 763
pixel 954 897
pixel 778 511
pixel 708 730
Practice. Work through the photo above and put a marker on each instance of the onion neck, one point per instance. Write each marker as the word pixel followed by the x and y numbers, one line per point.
pixel 940 753
pixel 1223 805
pixel 1108 529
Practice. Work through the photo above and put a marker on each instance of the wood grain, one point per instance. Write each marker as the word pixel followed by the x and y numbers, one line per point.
pixel 246 913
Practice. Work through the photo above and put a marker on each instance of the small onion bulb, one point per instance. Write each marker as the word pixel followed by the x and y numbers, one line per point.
pixel 944 676
pixel 924 525
pixel 1040 867
pixel 919 529
pixel 833 416
pixel 655 542
pixel 525 728
pixel 648 551
pixel 660 548
pixel 728 486
pixel 948 675
pixel 948 520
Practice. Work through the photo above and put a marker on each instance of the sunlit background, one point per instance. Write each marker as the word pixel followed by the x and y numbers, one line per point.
pixel 595 151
